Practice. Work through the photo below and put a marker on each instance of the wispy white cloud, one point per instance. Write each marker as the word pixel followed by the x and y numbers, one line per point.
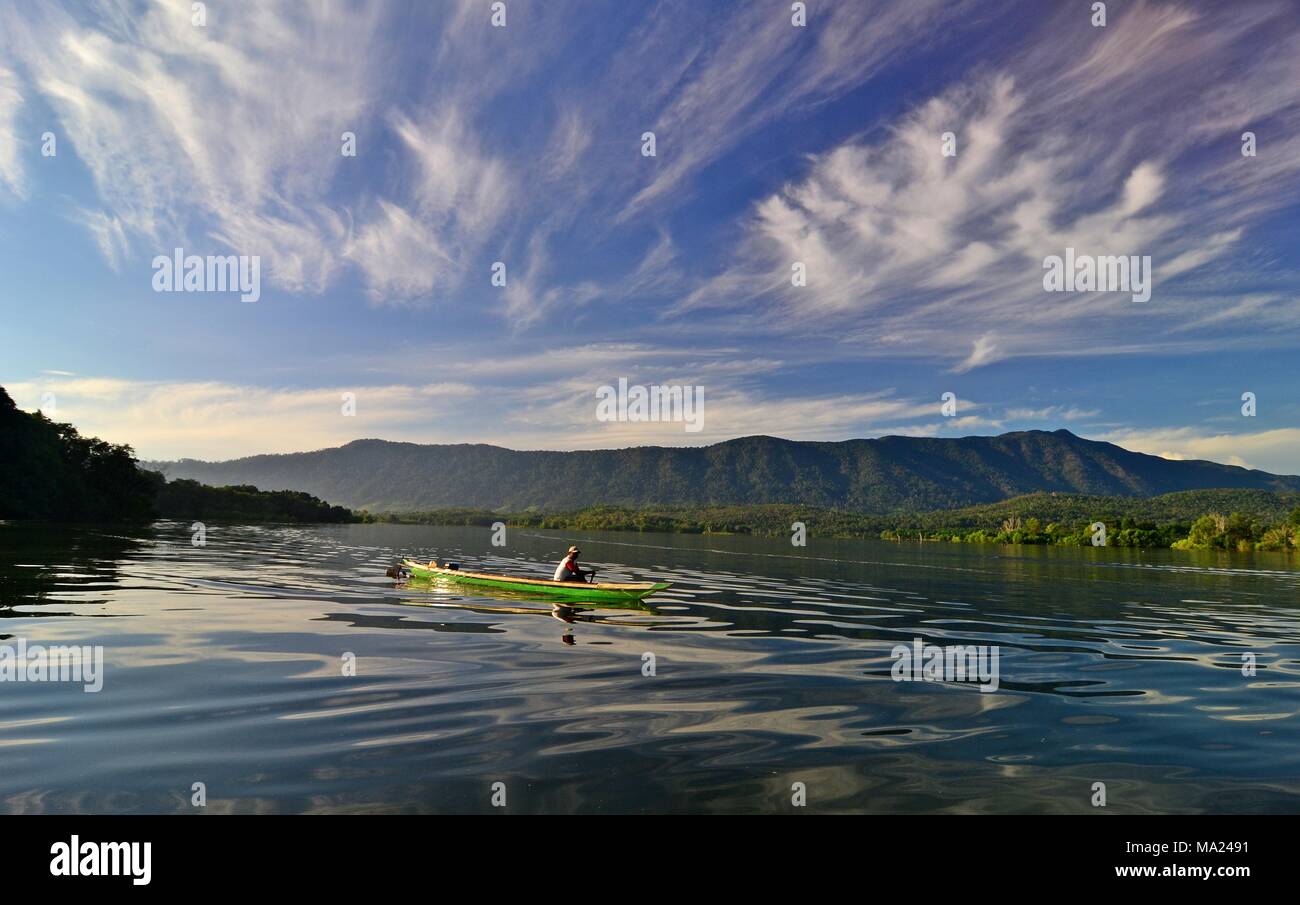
pixel 401 256
pixel 761 68
pixel 1067 135
pixel 11 168
pixel 983 351
pixel 569 142
pixel 108 233
pixel 231 134
pixel 1052 413
pixel 228 132
pixel 459 193
pixel 917 253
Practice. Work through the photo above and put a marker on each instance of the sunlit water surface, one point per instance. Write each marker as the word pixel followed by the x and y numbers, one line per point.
pixel 226 665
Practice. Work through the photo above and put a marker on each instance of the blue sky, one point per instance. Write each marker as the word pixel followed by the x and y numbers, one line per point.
pixel 775 144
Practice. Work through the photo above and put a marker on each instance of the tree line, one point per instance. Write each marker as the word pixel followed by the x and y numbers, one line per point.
pixel 49 472
pixel 1261 520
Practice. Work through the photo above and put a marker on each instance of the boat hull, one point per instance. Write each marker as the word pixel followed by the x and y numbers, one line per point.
pixel 569 590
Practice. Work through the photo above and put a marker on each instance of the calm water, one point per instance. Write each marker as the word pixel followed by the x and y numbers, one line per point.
pixel 224 665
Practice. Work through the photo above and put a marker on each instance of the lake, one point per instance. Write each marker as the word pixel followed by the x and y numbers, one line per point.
pixel 228 665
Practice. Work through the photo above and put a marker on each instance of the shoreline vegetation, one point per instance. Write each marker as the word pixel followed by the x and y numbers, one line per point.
pixel 185 499
pixel 1236 520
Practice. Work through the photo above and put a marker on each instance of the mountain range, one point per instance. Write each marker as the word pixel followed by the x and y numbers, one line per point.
pixel 884 475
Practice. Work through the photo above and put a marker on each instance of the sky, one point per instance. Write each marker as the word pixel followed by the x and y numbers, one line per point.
pixel 917 161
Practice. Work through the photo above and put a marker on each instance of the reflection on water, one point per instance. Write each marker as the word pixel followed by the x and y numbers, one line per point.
pixel 771 665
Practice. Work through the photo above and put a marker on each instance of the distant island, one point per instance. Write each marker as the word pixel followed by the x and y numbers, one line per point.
pixel 49 472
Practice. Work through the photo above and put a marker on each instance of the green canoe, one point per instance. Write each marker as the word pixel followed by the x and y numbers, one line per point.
pixel 572 590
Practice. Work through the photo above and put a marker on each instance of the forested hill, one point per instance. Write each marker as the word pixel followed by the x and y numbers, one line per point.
pixel 49 472
pixel 889 474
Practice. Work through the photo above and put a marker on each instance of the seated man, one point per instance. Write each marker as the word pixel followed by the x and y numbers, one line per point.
pixel 568 569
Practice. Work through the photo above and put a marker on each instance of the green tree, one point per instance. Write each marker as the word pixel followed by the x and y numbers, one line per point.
pixel 1204 533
